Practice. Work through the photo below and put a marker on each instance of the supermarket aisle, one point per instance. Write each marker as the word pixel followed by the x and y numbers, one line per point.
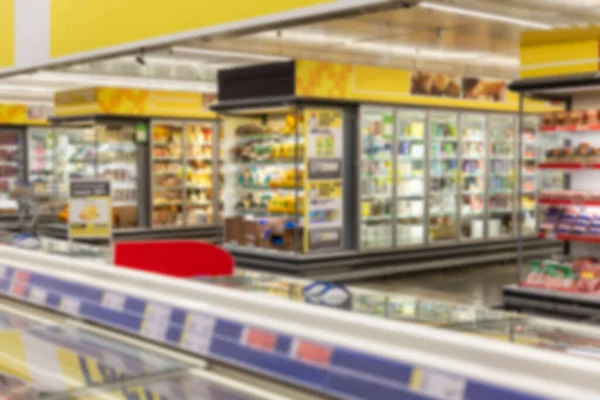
pixel 476 285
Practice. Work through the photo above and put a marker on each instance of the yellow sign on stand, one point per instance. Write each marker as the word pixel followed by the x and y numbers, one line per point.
pixel 90 209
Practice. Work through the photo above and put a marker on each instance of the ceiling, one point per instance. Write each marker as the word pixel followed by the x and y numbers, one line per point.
pixel 425 37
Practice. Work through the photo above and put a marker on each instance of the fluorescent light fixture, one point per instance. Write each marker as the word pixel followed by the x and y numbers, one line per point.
pixel 199 52
pixel 484 15
pixel 79 80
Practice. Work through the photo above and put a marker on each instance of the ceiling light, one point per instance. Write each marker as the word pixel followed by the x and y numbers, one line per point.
pixel 484 15
pixel 192 51
pixel 79 80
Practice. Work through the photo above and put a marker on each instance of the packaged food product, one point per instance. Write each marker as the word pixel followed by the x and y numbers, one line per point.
pixel 589 278
pixel 567 220
pixel 594 227
pixel 581 224
pixel 551 218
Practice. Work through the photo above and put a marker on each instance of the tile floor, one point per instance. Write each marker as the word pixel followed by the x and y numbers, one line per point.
pixel 480 285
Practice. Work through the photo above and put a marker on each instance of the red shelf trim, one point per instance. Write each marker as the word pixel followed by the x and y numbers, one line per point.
pixel 569 128
pixel 567 202
pixel 568 165
pixel 572 238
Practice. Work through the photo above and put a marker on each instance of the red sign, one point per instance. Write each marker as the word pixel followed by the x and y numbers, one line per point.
pixel 312 352
pixel 260 339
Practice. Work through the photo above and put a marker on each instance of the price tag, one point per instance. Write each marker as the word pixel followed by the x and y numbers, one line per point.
pixel 38 295
pixel 438 384
pixel 259 339
pixel 70 305
pixel 114 301
pixel 156 321
pixel 310 352
pixel 198 333
pixel 2 271
pixel 19 284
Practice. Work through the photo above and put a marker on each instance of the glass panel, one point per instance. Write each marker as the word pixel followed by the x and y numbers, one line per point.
pixel 75 156
pixel 199 164
pixel 167 174
pixel 376 183
pixel 529 216
pixel 410 165
pixel 41 160
pixel 472 175
pixel 502 193
pixel 117 162
pixel 264 180
pixel 11 161
pixel 443 176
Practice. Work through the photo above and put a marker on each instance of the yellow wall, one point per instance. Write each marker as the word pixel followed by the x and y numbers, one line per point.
pixel 7 33
pixel 87 25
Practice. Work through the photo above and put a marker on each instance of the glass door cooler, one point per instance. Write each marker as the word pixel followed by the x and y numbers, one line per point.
pixel 410 177
pixel 472 176
pixel 529 185
pixel 377 177
pixel 167 174
pixel 502 175
pixel 12 166
pixel 41 160
pixel 444 175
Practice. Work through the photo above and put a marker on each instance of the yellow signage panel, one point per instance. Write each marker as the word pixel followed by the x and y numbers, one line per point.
pixel 400 86
pixel 78 26
pixel 7 33
pixel 133 102
pixel 22 114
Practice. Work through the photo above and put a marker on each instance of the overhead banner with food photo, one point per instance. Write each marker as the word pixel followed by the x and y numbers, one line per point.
pixel 323 185
pixel 436 84
pixel 90 209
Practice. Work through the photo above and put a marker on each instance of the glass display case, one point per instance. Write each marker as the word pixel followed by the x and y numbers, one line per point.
pixel 41 160
pixel 167 173
pixel 12 161
pixel 502 175
pixel 183 163
pixel 410 177
pixel 100 150
pixel 529 183
pixel 377 176
pixel 443 176
pixel 264 184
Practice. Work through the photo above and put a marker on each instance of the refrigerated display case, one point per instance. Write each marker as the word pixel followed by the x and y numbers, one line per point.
pixel 12 166
pixel 264 185
pixel 502 175
pixel 530 155
pixel 184 166
pixel 443 176
pixel 473 136
pixel 41 160
pixel 377 176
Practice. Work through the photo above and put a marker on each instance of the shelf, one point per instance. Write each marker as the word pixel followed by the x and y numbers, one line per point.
pixel 163 173
pixel 89 161
pixel 199 203
pixel 164 143
pixel 267 188
pixel 567 237
pixel 502 191
pixel 568 202
pixel 167 203
pixel 124 203
pixel 377 218
pixel 260 136
pixel 9 146
pixel 410 139
pixel 265 214
pixel 501 210
pixel 568 165
pixel 169 159
pixel 444 139
pixel 468 192
pixel 161 187
pixel 271 162
pixel 199 187
pixel 381 196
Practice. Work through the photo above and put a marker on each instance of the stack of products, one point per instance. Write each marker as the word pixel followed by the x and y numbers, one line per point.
pixel 584 152
pixel 581 275
pixel 571 221
pixel 577 118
